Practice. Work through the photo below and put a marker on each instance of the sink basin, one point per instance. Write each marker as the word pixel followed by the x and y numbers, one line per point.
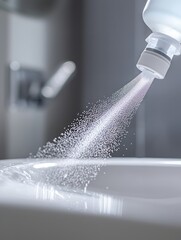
pixel 129 199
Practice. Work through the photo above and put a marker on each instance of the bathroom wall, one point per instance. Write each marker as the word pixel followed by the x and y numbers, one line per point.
pixel 64 43
pixel 27 44
pixel 159 119
pixel 105 39
pixel 3 61
pixel 41 43
pixel 109 52
pixel 114 35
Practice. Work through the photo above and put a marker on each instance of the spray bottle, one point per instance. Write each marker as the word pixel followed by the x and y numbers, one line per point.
pixel 163 17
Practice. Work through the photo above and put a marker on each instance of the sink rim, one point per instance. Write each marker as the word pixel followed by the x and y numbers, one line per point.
pixel 145 162
pixel 129 203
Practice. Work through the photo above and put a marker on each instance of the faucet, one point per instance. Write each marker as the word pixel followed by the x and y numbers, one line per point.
pixel 163 17
pixel 29 87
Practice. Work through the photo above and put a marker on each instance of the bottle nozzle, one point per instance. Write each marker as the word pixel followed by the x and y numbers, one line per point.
pixel 158 54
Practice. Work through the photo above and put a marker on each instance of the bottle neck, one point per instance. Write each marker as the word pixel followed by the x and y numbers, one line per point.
pixel 163 44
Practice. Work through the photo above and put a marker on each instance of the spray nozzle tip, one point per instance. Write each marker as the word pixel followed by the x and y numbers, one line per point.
pixel 154 62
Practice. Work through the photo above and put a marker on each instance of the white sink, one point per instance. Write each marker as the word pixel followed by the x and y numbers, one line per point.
pixel 130 199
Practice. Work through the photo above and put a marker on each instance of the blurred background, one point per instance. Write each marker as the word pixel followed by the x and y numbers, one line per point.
pixel 56 56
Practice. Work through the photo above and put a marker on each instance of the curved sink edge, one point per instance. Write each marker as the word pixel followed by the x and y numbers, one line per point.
pixel 141 162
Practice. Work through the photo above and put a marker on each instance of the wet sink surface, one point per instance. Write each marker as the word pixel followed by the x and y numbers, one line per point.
pixel 130 198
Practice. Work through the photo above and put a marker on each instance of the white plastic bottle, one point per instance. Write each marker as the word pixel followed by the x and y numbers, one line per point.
pixel 163 17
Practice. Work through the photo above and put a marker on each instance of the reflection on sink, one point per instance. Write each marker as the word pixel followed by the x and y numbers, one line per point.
pixel 135 190
pixel 74 200
pixel 32 180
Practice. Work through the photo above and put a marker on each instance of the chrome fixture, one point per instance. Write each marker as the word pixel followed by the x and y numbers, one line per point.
pixel 28 87
pixel 54 85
